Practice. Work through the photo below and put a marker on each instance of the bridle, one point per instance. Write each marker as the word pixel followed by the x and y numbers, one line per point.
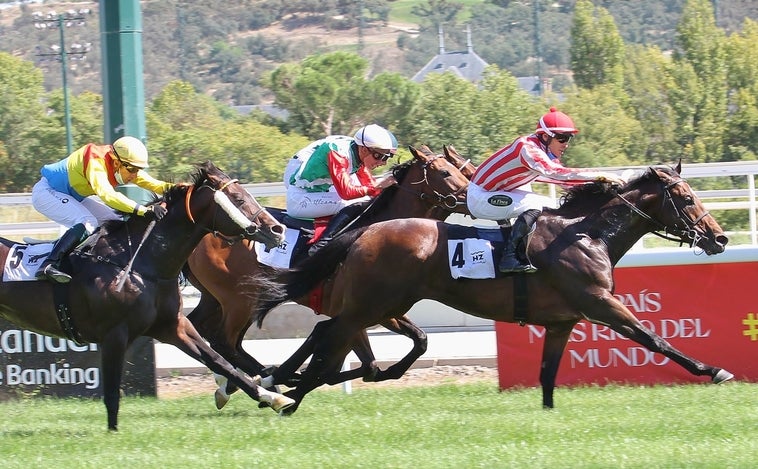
pixel 675 233
pixel 247 233
pixel 447 202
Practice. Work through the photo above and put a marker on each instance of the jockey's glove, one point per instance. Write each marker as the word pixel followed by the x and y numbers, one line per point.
pixel 155 212
pixel 611 178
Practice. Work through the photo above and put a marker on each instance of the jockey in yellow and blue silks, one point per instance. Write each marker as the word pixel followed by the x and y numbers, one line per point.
pixel 79 193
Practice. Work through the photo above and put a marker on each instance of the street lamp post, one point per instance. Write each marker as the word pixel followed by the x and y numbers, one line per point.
pixel 62 21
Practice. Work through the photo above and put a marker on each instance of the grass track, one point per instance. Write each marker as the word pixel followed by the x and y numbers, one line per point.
pixel 445 426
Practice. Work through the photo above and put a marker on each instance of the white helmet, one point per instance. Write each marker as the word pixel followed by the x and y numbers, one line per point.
pixel 131 151
pixel 375 136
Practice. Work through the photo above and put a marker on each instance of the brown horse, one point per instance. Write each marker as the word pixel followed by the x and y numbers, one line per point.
pixel 429 185
pixel 379 272
pixel 104 309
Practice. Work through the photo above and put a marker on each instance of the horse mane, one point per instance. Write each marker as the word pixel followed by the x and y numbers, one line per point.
pixel 580 199
pixel 399 172
pixel 199 175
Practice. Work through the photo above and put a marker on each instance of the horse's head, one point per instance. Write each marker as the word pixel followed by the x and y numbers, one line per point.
pixel 222 206
pixel 438 181
pixel 464 165
pixel 681 214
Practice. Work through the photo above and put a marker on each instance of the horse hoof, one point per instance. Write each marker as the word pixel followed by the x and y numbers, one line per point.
pixel 221 398
pixel 722 376
pixel 281 403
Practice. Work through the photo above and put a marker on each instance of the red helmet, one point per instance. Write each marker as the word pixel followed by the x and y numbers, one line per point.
pixel 556 122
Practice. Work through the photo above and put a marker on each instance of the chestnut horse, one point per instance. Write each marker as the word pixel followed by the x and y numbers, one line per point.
pixel 379 272
pixel 125 280
pixel 429 185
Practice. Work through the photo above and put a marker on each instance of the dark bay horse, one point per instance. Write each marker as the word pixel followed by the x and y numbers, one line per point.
pixel 429 185
pixel 379 272
pixel 112 314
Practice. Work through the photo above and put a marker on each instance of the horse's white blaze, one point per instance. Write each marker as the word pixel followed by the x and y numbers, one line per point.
pixel 233 212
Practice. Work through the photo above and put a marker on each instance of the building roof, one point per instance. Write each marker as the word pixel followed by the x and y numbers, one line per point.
pixel 466 64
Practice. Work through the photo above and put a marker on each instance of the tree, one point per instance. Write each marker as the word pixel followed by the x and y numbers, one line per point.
pixel 741 137
pixel 330 94
pixel 505 110
pixel 702 50
pixel 23 124
pixel 597 51
pixel 447 114
pixel 608 134
pixel 648 85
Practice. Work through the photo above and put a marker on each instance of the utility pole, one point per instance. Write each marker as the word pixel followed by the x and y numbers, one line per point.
pixel 537 44
pixel 78 51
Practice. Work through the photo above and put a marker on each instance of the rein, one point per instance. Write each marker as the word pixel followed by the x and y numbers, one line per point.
pixel 668 232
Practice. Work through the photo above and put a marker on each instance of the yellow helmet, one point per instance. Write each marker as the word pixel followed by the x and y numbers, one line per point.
pixel 132 151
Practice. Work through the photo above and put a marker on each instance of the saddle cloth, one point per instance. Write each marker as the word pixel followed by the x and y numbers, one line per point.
pixel 24 260
pixel 473 251
pixel 298 235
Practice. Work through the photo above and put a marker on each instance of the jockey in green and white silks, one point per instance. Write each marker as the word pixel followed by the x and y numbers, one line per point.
pixel 334 172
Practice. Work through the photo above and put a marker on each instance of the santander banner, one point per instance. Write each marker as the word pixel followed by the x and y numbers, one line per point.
pixel 708 311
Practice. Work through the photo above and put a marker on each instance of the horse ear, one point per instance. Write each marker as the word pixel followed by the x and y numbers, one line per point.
pixel 678 168
pixel 413 151
pixel 445 151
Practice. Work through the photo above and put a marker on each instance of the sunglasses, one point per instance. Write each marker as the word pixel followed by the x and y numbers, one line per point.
pixel 563 138
pixel 381 156
pixel 129 168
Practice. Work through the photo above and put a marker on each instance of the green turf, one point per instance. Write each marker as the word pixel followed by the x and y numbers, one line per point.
pixel 443 426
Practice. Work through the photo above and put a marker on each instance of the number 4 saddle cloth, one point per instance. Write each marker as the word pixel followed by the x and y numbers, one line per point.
pixel 474 252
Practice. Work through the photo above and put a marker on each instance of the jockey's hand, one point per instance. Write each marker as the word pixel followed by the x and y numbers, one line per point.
pixel 386 182
pixel 611 178
pixel 155 212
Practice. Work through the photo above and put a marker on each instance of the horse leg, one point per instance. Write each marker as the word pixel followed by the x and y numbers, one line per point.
pixel 652 341
pixel 556 338
pixel 286 373
pixel 188 340
pixel 406 327
pixel 329 353
pixel 113 350
pixel 368 368
pixel 612 313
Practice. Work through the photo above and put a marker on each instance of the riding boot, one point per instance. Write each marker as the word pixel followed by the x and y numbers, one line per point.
pixel 519 237
pixel 49 270
pixel 339 221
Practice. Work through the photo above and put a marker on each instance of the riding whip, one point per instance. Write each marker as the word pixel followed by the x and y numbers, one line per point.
pixel 124 274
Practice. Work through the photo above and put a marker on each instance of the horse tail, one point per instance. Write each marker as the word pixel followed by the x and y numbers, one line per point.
pixel 290 284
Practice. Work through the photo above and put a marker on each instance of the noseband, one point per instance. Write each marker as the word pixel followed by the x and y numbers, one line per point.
pixel 447 202
pixel 675 233
pixel 247 232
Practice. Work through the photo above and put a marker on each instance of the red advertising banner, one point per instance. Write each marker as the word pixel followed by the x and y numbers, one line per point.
pixel 707 311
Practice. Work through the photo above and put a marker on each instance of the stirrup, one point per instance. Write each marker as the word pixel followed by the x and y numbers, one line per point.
pixel 49 272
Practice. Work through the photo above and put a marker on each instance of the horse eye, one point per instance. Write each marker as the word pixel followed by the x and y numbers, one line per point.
pixel 445 174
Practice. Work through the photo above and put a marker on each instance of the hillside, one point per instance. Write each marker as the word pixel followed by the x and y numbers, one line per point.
pixel 225 49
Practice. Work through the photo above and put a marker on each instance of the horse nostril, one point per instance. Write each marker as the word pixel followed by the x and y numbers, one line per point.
pixel 278 229
pixel 722 239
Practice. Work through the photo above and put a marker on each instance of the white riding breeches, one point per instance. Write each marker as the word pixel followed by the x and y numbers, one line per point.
pixel 64 209
pixel 304 204
pixel 500 205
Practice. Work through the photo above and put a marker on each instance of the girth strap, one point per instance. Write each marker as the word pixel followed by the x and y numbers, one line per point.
pixel 520 298
pixel 63 311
